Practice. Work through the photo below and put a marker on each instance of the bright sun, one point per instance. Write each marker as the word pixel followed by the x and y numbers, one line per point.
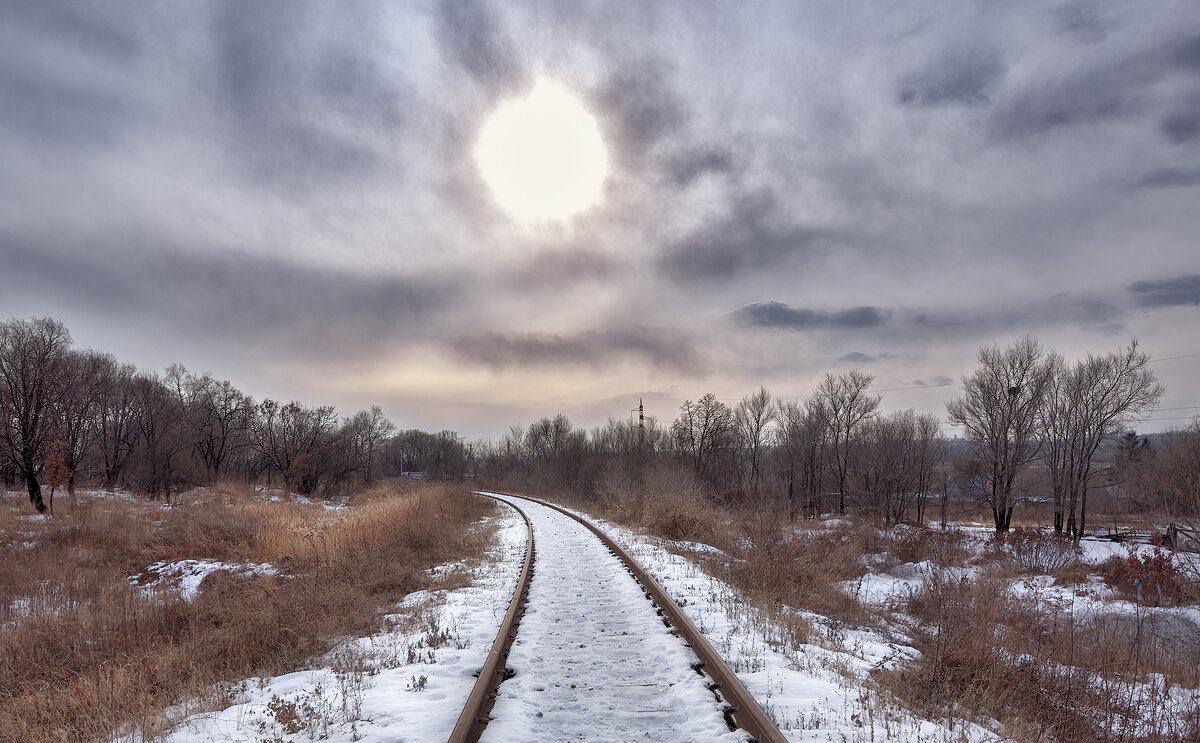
pixel 542 155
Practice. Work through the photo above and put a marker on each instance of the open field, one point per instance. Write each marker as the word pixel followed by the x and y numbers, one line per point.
pixel 116 609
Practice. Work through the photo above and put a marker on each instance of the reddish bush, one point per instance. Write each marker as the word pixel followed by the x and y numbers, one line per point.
pixel 1155 573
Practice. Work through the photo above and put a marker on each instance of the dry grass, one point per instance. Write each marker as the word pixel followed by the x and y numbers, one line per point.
pixel 1042 674
pixel 84 654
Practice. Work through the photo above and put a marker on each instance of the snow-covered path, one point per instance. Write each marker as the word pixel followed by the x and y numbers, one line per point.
pixel 593 660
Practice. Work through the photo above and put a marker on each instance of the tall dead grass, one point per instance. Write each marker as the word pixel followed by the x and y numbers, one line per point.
pixel 87 656
pixel 1045 674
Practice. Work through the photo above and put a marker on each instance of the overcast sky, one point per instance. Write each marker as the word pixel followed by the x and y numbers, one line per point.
pixel 284 194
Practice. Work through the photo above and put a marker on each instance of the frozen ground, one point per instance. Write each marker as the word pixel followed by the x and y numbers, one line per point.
pixel 187 575
pixel 593 660
pixel 815 690
pixel 590 666
pixel 405 684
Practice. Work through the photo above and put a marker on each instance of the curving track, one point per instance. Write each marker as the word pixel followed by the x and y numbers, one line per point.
pixel 595 658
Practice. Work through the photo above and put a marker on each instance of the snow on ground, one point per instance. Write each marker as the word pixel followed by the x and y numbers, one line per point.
pixel 593 660
pixel 815 690
pixel 187 575
pixel 405 684
pixel 898 583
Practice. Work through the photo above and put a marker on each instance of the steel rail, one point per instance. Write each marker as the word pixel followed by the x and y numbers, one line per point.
pixel 743 711
pixel 474 717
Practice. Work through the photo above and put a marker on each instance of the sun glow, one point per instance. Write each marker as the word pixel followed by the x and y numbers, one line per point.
pixel 542 156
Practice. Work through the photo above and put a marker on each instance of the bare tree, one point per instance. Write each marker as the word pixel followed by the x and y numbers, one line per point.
pixel 752 419
pixel 847 410
pixel 804 438
pixel 290 439
pixel 115 425
pixel 886 467
pixel 366 433
pixel 159 419
pixel 703 428
pixel 33 372
pixel 1089 401
pixel 219 415
pixel 1000 411
pixel 930 460
pixel 77 408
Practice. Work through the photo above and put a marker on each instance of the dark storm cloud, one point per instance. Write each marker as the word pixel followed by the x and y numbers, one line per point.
pixel 753 238
pixel 658 348
pixel 288 92
pixel 963 77
pixel 470 34
pixel 282 306
pixel 856 357
pixel 1170 178
pixel 1178 291
pixel 772 314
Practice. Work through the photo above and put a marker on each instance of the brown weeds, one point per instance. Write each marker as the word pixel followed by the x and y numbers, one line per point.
pixel 86 655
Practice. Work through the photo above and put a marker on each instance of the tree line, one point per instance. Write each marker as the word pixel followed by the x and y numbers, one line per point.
pixel 74 415
pixel 1032 421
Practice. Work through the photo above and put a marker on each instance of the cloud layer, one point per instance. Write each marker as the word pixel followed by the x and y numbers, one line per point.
pixel 795 188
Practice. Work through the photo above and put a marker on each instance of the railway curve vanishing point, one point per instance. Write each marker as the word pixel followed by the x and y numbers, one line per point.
pixel 605 653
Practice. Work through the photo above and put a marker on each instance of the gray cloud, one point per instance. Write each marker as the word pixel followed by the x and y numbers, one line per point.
pixel 856 357
pixel 639 107
pixel 561 270
pixel 79 24
pixel 470 33
pixel 1084 22
pixel 51 95
pixel 658 348
pixel 1060 310
pixel 753 238
pixel 772 314
pixel 1116 88
pixel 1182 125
pixel 938 381
pixel 686 167
pixel 289 93
pixel 1170 178
pixel 1178 291
pixel 962 77
pixel 272 304
pixel 758 150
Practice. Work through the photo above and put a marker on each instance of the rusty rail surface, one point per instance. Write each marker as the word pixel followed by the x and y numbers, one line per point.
pixel 474 717
pixel 743 710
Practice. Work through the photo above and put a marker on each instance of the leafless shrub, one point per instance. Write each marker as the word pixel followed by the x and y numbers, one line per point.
pixel 1034 552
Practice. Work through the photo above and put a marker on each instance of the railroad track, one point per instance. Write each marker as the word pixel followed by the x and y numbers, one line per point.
pixel 607 652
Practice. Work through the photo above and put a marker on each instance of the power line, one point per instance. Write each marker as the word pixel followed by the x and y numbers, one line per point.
pixel 1172 358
